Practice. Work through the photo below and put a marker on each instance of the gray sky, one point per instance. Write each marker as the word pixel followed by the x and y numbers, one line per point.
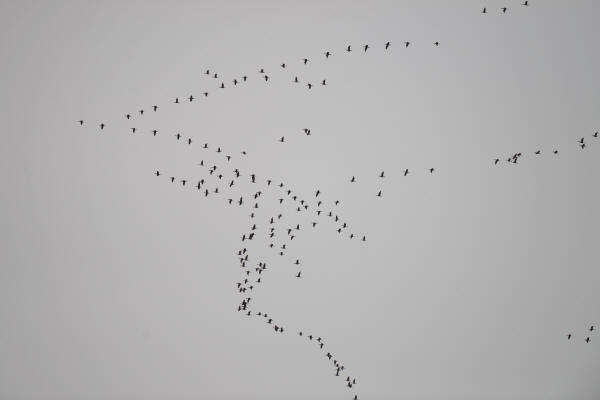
pixel 116 284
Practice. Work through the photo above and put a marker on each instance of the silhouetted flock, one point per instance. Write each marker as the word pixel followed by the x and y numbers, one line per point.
pixel 294 214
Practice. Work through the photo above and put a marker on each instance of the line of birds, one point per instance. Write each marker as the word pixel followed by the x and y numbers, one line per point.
pixel 504 9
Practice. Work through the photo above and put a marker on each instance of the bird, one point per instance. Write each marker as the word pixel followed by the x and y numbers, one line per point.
pixel 406 172
pixel 587 339
pixel 484 11
pixel 154 108
pixel 80 122
pixel 349 49
pixel 141 112
pixel 189 141
pixel 406 44
pixel 379 194
pixel 526 3
pixel 382 174
pixel 504 9
pixel 154 132
pixel 538 151
pixel 353 179
pixel 387 45
pixel 366 47
pixel 296 79
pixel 305 60
pixel 595 134
pixel 157 173
pixel 323 83
pixel 191 98
pixel 591 328
pixel 431 170
pixel 569 336
pixel 283 65
pixel 309 85
pixel 298 275
pixel 436 43
pixel 128 116
pixel 176 100
pixel 282 139
pixel 132 130
pixel 101 126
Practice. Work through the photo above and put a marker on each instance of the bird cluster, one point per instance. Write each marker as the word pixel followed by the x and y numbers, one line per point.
pixel 587 339
pixel 287 218
pixel 514 159
pixel 504 9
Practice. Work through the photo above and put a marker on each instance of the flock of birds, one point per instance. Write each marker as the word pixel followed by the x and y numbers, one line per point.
pixel 288 214
pixel 587 339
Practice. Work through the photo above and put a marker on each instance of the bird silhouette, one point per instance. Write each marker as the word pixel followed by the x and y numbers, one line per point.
pixel 387 45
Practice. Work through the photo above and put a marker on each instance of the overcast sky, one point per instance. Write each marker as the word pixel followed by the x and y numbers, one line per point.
pixel 117 284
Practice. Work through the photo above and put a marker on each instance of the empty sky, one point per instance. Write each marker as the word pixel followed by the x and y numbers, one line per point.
pixel 115 284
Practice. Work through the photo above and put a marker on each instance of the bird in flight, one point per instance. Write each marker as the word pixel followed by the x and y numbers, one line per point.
pixel 81 122
pixel 406 172
pixel 155 108
pixel 366 47
pixel 387 45
pixel 305 60
pixel 504 10
pixel 484 11
pixel 101 126
pixel 327 54
pixel 348 49
pixel 406 44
